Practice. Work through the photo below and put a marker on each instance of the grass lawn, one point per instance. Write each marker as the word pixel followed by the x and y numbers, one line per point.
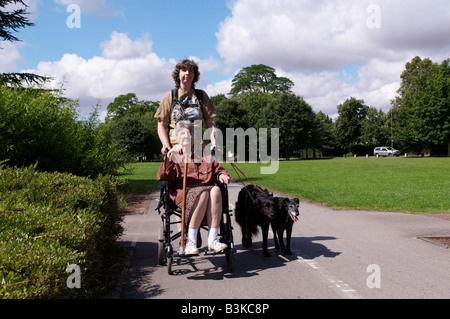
pixel 414 185
pixel 141 176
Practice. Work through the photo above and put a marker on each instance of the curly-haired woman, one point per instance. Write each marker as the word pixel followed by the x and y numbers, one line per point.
pixel 188 105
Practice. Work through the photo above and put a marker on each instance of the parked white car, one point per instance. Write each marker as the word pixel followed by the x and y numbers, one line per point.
pixel 386 151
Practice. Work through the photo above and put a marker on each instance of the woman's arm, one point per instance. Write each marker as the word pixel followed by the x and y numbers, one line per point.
pixel 221 173
pixel 167 170
pixel 163 137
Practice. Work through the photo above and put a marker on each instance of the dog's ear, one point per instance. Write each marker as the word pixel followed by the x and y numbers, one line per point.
pixel 297 201
pixel 279 202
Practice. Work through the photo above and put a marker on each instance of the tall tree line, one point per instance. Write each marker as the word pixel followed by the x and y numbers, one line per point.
pixel 418 122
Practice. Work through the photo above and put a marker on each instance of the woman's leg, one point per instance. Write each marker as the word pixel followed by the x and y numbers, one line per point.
pixel 214 215
pixel 197 215
pixel 199 210
pixel 214 208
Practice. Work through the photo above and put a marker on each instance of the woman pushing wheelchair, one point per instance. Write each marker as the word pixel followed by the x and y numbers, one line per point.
pixel 202 197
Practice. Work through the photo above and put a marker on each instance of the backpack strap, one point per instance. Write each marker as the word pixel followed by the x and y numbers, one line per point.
pixel 174 100
pixel 198 93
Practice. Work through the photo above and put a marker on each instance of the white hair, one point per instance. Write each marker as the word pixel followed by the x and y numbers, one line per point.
pixel 184 125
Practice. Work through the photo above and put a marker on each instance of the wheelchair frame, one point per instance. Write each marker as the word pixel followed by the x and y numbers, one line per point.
pixel 166 235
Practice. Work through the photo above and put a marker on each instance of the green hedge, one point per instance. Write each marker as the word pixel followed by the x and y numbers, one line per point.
pixel 43 127
pixel 51 220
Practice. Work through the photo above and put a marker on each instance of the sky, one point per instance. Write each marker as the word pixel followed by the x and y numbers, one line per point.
pixel 331 49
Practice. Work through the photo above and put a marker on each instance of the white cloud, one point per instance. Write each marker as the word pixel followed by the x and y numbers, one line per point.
pixel 222 87
pixel 312 42
pixel 125 66
pixel 315 35
pixel 376 83
pixel 10 56
pixel 207 65
pixel 120 46
pixel 300 35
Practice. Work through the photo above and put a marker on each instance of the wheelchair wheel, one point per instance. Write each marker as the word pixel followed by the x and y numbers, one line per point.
pixel 165 257
pixel 226 229
pixel 161 257
pixel 169 265
pixel 229 254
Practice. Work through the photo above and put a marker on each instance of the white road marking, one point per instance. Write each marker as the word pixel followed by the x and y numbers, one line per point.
pixel 342 288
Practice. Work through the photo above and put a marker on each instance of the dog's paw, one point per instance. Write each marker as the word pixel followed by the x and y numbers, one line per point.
pixel 246 244
pixel 267 254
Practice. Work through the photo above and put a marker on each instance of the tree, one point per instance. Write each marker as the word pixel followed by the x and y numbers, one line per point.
pixel 230 114
pixel 129 104
pixel 326 140
pixel 352 113
pixel 375 129
pixel 296 120
pixel 12 21
pixel 135 137
pixel 422 109
pixel 132 126
pixel 254 105
pixel 43 129
pixel 16 79
pixel 259 78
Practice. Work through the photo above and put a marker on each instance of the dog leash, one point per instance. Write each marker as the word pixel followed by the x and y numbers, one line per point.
pixel 248 192
pixel 237 169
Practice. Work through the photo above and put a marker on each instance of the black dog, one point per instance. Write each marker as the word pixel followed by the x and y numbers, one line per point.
pixel 255 208
pixel 287 214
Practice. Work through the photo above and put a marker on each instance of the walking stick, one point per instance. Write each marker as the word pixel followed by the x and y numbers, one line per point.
pixel 183 207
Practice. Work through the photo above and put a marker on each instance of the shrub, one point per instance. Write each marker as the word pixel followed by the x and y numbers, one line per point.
pixel 42 127
pixel 51 220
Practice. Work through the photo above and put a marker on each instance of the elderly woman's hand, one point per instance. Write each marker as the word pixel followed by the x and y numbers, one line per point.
pixel 177 149
pixel 224 179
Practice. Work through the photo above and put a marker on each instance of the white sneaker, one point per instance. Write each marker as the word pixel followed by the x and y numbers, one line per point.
pixel 216 246
pixel 191 249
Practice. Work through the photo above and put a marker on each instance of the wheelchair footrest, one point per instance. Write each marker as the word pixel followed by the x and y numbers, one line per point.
pixel 223 252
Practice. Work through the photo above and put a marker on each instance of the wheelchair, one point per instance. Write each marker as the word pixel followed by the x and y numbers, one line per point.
pixel 166 235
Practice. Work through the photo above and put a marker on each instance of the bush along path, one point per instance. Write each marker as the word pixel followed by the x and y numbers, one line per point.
pixel 57 233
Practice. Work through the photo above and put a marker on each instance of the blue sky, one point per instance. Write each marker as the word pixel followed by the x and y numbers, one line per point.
pixel 174 27
pixel 331 49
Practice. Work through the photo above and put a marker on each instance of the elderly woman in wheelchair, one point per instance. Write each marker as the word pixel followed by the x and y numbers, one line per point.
pixel 203 197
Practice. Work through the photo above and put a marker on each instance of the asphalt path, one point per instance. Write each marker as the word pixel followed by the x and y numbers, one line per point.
pixel 337 254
